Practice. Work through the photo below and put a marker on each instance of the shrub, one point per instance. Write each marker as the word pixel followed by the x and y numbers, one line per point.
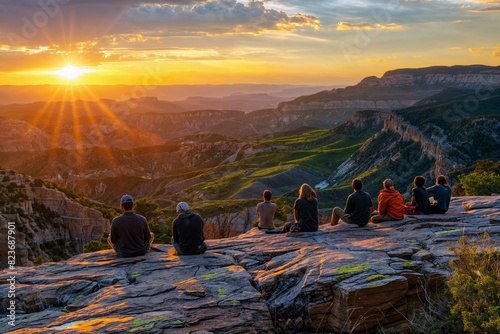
pixel 435 317
pixel 147 208
pixel 162 229
pixel 38 260
pixel 457 190
pixel 487 166
pixel 97 245
pixel 480 184
pixel 11 187
pixel 483 181
pixel 38 183
pixel 21 196
pixel 159 225
pixel 282 209
pixel 475 286
pixel 55 258
pixel 56 249
pixel 45 216
pixel 94 246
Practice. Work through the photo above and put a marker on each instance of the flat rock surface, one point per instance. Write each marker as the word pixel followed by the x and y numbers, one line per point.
pixel 340 279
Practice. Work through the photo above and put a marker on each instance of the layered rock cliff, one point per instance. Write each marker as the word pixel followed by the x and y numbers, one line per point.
pixel 349 105
pixel 430 139
pixel 48 223
pixel 398 88
pixel 341 279
pixel 464 77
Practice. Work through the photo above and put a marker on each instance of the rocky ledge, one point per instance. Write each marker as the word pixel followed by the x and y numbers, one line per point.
pixel 340 279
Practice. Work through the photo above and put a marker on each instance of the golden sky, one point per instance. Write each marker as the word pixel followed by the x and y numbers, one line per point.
pixel 319 42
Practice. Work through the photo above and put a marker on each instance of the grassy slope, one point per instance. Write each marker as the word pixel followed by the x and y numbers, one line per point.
pixel 312 151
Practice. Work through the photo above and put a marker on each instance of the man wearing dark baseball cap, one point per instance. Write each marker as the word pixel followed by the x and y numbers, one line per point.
pixel 187 231
pixel 130 235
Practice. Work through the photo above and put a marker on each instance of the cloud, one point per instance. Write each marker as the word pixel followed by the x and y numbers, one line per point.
pixel 28 23
pixel 46 58
pixel 485 51
pixel 487 9
pixel 92 32
pixel 496 51
pixel 476 50
pixel 382 59
pixel 366 26
pixel 216 17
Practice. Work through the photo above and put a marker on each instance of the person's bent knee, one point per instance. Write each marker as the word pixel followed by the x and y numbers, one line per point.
pixel 380 218
pixel 111 244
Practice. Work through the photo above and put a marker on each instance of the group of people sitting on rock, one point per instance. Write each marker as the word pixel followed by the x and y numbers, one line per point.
pixel 130 235
pixel 359 207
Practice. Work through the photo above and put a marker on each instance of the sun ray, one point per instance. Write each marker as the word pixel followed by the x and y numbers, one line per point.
pixel 55 134
pixel 77 131
pixel 109 156
pixel 112 116
pixel 77 135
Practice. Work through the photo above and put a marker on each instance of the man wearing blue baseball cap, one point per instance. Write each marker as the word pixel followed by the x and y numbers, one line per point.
pixel 187 231
pixel 130 235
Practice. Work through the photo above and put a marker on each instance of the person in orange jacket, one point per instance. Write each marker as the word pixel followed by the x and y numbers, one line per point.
pixel 391 204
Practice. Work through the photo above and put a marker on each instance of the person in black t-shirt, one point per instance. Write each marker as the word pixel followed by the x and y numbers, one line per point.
pixel 187 231
pixel 420 203
pixel 130 235
pixel 357 209
pixel 305 212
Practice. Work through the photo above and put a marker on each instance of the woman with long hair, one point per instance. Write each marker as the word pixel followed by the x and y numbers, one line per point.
pixel 441 193
pixel 305 211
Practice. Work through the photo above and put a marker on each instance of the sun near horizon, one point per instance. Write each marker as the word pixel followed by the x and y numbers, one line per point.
pixel 238 41
pixel 70 72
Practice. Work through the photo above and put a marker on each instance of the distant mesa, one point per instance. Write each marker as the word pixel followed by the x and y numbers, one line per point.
pixel 407 87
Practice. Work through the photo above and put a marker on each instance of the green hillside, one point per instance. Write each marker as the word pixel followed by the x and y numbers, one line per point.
pixel 309 155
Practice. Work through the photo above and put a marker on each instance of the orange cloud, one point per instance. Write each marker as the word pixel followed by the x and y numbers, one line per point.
pixel 382 60
pixel 493 51
pixel 476 50
pixel 367 26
